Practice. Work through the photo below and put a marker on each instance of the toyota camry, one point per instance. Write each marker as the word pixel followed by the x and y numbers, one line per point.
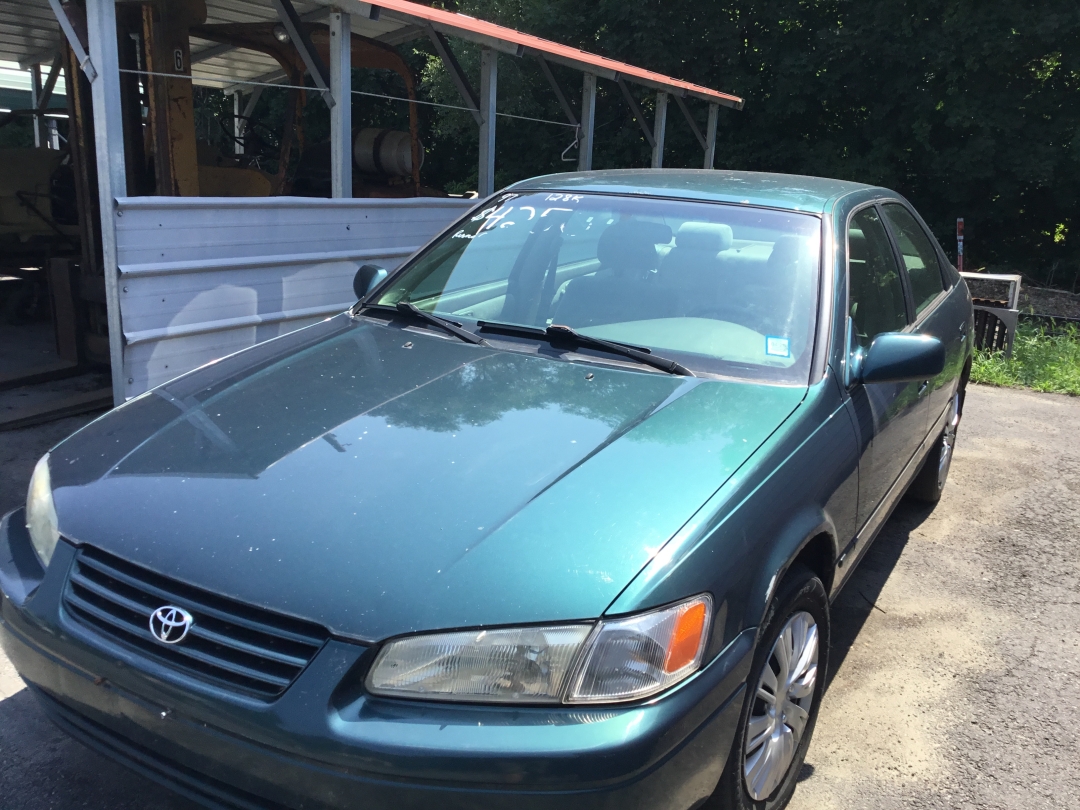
pixel 552 517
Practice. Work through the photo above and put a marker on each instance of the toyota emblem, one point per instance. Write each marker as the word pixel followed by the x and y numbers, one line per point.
pixel 170 624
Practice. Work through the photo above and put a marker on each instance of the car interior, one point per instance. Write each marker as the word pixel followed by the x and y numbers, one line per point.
pixel 681 285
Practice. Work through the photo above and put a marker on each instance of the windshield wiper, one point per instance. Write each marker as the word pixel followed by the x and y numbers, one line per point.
pixel 453 327
pixel 558 332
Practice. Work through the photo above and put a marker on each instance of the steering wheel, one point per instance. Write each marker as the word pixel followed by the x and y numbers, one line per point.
pixel 258 140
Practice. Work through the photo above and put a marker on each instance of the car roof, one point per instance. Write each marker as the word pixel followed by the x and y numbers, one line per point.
pixel 791 191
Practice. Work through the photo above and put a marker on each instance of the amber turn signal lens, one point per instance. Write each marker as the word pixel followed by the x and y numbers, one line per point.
pixel 686 638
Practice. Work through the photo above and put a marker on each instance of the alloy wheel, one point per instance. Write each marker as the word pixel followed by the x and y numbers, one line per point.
pixel 948 442
pixel 781 706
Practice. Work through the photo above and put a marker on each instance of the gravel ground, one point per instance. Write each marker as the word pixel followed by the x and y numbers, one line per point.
pixel 956 650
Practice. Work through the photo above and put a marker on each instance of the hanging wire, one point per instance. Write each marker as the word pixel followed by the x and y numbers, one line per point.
pixel 355 93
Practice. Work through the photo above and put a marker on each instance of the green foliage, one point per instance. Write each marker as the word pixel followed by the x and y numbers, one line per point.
pixel 1042 360
pixel 17 133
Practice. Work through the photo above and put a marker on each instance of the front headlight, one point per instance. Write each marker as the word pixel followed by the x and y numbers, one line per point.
pixel 41 513
pixel 613 661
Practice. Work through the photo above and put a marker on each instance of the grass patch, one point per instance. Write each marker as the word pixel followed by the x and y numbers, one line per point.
pixel 1042 360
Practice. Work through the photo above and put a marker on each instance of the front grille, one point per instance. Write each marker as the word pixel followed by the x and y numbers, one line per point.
pixel 230 644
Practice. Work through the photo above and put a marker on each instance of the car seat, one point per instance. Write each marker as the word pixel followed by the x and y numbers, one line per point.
pixel 692 270
pixel 624 287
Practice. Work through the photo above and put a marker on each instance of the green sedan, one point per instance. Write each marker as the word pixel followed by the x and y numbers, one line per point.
pixel 551 518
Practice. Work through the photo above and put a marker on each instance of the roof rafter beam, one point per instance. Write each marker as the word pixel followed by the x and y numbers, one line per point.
pixel 461 81
pixel 401 35
pixel 636 110
pixel 221 48
pixel 690 120
pixel 294 26
pixel 81 55
pixel 496 44
pixel 41 57
pixel 50 83
pixel 546 68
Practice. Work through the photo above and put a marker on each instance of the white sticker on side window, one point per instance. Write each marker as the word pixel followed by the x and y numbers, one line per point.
pixel 777 346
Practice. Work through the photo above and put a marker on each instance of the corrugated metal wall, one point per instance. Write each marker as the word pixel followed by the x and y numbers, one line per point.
pixel 204 277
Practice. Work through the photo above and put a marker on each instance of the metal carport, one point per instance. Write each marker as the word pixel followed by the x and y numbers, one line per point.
pixel 171 306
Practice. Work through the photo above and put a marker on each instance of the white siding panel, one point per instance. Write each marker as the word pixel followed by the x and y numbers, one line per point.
pixel 204 277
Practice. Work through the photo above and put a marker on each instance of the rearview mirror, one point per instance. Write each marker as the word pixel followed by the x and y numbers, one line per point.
pixel 367 277
pixel 898 357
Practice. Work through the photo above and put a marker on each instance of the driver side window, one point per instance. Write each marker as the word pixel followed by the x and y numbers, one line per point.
pixel 875 292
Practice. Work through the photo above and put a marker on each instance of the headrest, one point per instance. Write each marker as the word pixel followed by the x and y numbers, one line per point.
pixel 706 237
pixel 630 245
pixel 786 252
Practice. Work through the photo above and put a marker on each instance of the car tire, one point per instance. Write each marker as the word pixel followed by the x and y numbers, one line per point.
pixel 801 597
pixel 929 483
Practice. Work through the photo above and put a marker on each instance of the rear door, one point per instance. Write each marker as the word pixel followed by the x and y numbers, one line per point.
pixel 892 417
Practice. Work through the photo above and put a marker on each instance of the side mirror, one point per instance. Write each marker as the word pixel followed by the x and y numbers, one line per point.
pixel 898 357
pixel 367 277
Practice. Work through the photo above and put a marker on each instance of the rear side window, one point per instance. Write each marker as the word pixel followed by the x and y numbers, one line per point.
pixel 876 294
pixel 920 258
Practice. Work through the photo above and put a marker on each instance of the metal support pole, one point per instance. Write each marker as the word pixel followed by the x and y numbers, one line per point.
pixel 237 102
pixel 35 101
pixel 489 79
pixel 341 157
pixel 710 136
pixel 111 171
pixel 588 122
pixel 659 130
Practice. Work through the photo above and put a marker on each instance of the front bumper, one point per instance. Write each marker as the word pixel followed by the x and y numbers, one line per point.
pixel 326 744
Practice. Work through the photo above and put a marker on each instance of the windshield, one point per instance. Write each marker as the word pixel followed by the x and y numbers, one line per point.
pixel 724 289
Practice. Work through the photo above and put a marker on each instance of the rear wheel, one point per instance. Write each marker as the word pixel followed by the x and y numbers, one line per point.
pixel 784 692
pixel 930 482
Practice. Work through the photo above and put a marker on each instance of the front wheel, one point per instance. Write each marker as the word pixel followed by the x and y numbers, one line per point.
pixel 784 692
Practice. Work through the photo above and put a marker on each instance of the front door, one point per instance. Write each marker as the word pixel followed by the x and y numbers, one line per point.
pixel 892 417
pixel 933 316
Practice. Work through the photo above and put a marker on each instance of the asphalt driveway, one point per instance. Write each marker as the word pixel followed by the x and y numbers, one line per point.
pixel 956 651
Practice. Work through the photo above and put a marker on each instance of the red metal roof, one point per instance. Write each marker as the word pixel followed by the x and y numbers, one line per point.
pixel 496 35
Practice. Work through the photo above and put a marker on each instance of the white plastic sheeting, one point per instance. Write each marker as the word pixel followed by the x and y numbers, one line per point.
pixel 203 277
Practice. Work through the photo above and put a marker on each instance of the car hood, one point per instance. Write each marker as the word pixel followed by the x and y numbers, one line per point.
pixel 379 480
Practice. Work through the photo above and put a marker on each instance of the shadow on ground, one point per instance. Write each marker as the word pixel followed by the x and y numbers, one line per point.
pixel 859 597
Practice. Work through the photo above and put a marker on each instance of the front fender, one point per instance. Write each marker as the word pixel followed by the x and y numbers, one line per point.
pixel 801 484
